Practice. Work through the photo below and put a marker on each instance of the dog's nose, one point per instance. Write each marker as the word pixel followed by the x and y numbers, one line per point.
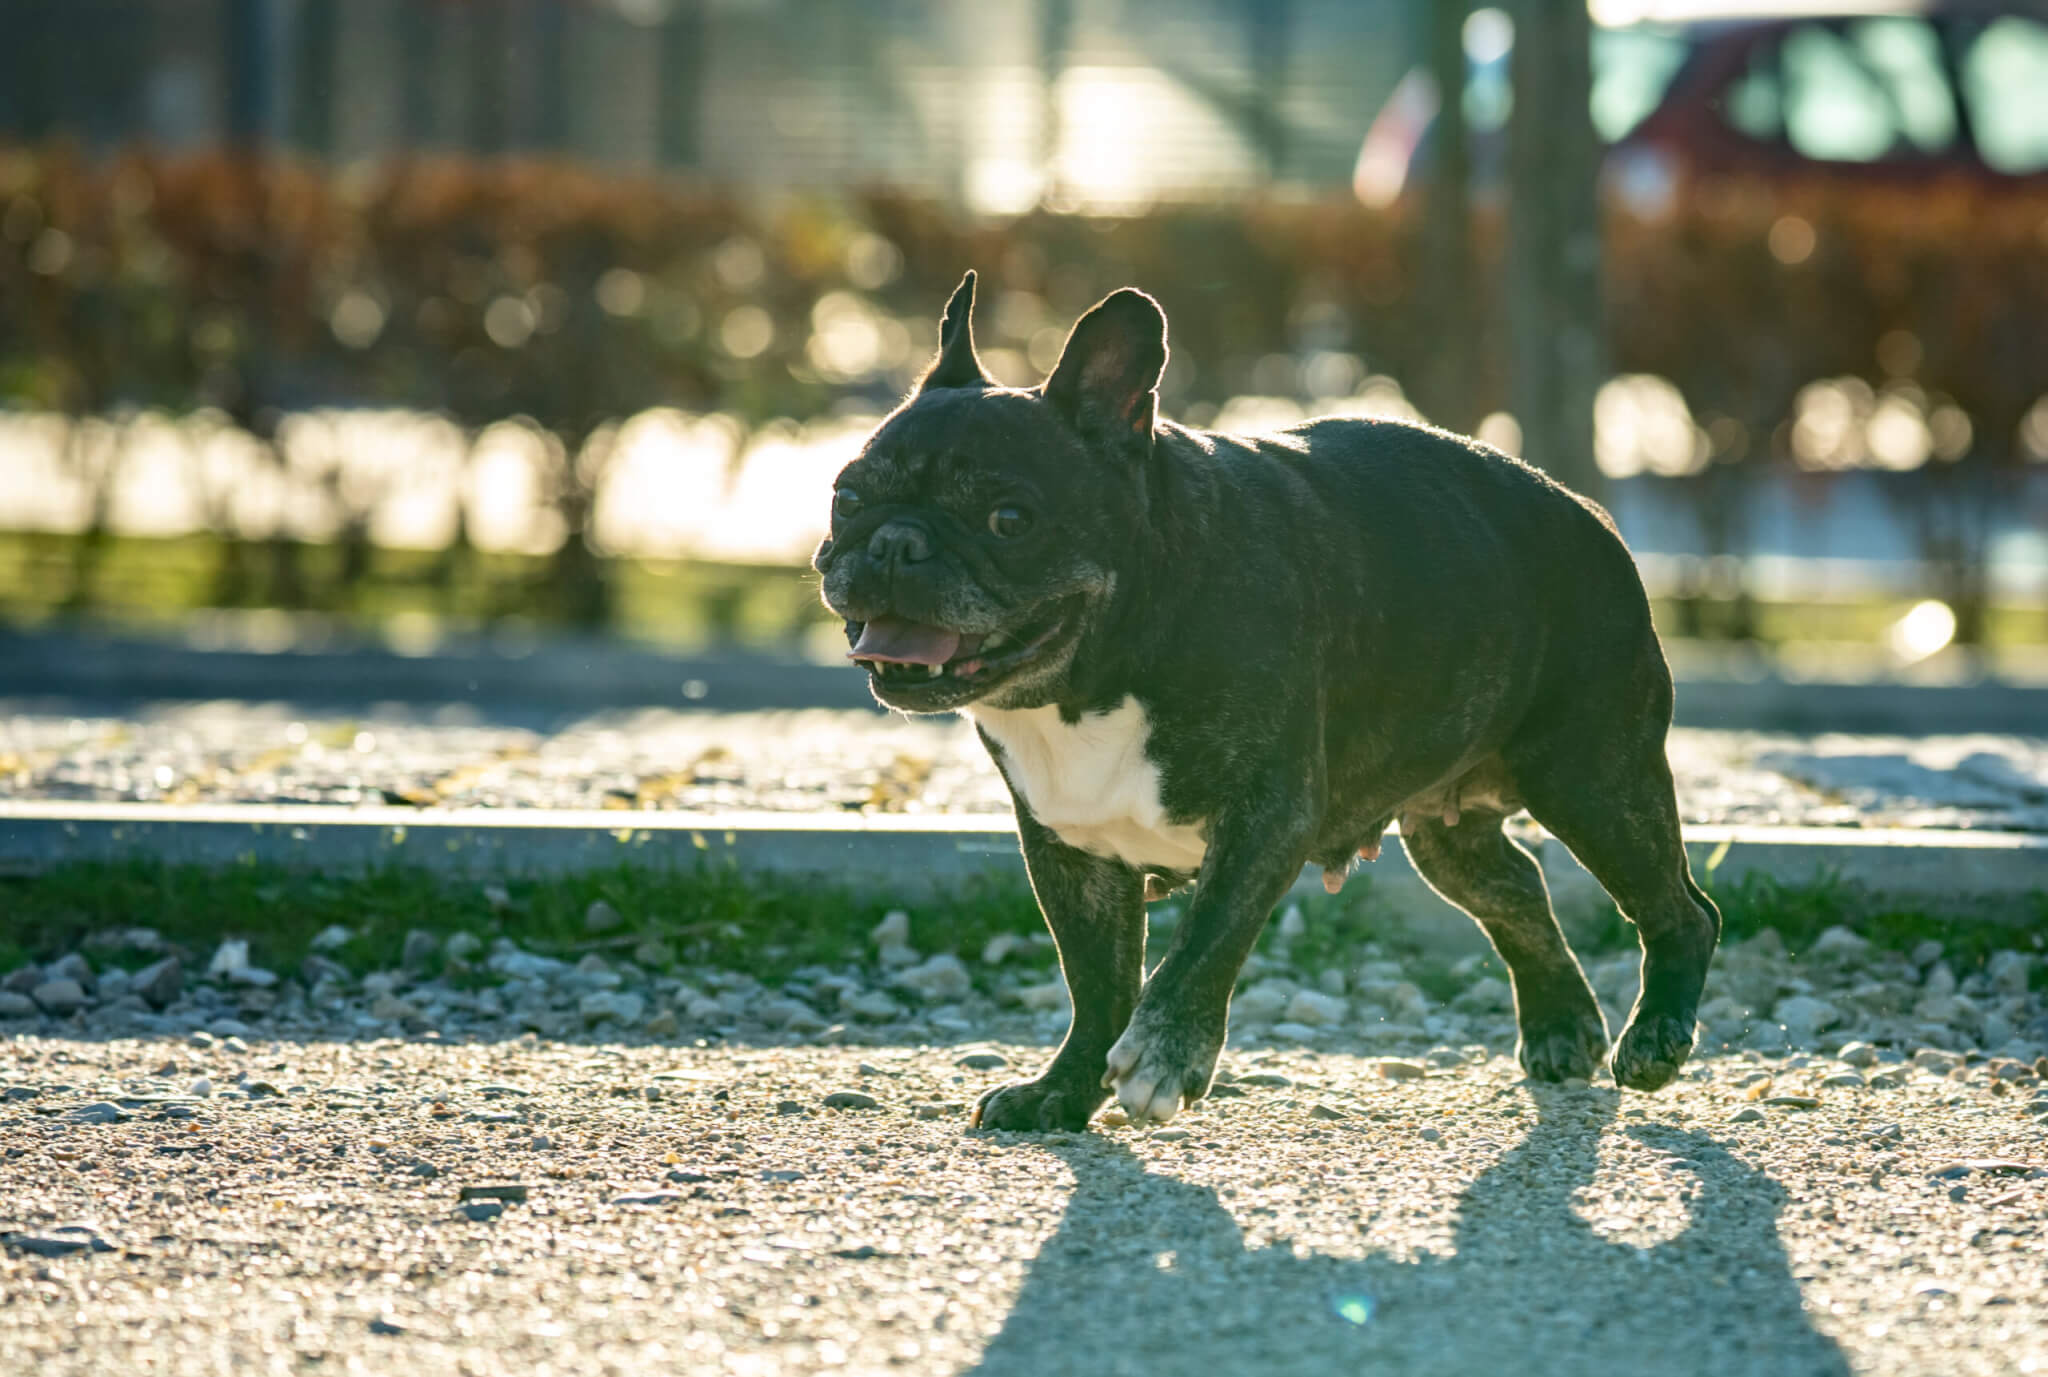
pixel 899 542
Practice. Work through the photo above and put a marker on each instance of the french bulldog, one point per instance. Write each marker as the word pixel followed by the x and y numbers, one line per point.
pixel 1208 659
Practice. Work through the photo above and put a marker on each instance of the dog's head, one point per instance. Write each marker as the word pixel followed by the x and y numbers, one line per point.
pixel 976 538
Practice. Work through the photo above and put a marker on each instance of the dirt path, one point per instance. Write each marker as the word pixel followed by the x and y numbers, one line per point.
pixel 702 1210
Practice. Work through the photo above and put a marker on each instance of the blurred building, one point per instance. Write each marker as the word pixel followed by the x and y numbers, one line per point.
pixel 994 105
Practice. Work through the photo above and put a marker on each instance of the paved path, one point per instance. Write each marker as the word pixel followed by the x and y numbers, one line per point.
pixel 812 760
pixel 695 1210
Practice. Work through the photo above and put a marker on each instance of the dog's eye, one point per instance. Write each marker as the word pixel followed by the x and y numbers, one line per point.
pixel 1007 523
pixel 845 503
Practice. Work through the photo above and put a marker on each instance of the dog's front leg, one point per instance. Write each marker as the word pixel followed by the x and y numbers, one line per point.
pixel 1167 1055
pixel 1096 910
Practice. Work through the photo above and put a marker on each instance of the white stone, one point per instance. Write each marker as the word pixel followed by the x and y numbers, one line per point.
pixel 1840 943
pixel 894 956
pixel 332 936
pixel 1046 998
pixel 1316 1009
pixel 875 1007
pixel 1263 1002
pixel 230 956
pixel 1296 1032
pixel 1803 1016
pixel 1940 981
pixel 1292 923
pixel 2010 971
pixel 1488 994
pixel 1858 1054
pixel 778 1012
pixel 525 965
pixel 941 978
pixel 620 1006
pixel 1938 1008
pixel 1725 1013
pixel 59 997
pixel 999 947
pixel 893 930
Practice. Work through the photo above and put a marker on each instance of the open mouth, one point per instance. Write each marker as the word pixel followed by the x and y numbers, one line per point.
pixel 910 655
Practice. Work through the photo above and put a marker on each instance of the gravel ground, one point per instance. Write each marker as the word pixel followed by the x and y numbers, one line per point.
pixel 245 1169
pixel 824 760
pixel 533 1207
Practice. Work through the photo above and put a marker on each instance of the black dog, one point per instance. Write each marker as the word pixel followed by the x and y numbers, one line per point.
pixel 1200 657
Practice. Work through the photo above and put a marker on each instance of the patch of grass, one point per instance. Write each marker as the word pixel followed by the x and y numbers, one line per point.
pixel 769 927
pixel 1799 913
pixel 704 916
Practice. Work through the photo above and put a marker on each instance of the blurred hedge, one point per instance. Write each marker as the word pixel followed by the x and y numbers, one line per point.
pixel 487 288
pixel 195 279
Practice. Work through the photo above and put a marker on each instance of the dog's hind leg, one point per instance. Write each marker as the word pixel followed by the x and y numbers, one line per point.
pixel 1613 803
pixel 1483 871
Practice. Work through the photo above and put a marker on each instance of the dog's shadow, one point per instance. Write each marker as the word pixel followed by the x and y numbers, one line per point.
pixel 1150 1275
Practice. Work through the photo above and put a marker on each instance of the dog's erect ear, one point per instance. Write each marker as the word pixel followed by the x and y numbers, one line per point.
pixel 1108 374
pixel 957 364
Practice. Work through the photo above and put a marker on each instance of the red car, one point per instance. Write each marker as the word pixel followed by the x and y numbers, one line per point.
pixel 1887 93
pixel 1900 95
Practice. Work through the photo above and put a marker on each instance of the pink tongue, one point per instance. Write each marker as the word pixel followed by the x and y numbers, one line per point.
pixel 897 642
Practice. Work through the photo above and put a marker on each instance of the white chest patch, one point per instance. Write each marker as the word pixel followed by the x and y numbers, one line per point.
pixel 1091 783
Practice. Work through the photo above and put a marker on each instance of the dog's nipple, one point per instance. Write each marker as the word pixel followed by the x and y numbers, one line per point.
pixel 1333 880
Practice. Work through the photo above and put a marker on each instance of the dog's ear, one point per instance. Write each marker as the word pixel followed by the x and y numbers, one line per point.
pixel 957 364
pixel 1108 374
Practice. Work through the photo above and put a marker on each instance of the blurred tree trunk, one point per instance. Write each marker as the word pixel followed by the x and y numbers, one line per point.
pixel 315 34
pixel 1268 24
pixel 1055 37
pixel 489 54
pixel 419 57
pixel 246 285
pixel 1553 253
pixel 550 75
pixel 32 96
pixel 1448 389
pixel 89 549
pixel 680 97
pixel 579 587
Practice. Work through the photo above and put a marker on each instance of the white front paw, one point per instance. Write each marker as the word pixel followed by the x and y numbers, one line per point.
pixel 1151 1076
